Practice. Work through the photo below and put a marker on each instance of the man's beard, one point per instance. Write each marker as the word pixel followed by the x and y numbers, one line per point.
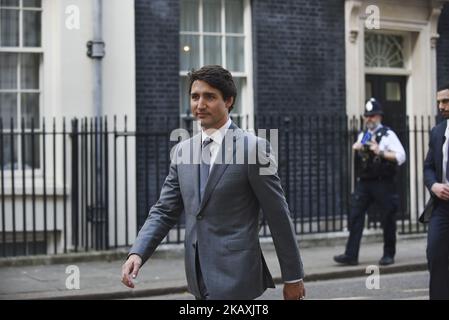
pixel 445 114
pixel 371 125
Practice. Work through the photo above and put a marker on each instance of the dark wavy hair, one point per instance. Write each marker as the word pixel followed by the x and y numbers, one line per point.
pixel 218 77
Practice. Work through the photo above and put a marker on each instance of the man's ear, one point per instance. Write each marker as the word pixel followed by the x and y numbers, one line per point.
pixel 229 102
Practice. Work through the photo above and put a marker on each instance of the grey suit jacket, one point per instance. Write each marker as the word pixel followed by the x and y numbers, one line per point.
pixel 224 227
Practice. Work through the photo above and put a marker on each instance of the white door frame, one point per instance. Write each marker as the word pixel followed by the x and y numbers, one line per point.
pixel 417 22
pixel 420 54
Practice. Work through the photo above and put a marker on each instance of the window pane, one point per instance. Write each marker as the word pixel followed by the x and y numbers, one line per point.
pixel 30 109
pixel 234 53
pixel 212 50
pixel 9 26
pixel 32 3
pixel 29 72
pixel 31 155
pixel 190 52
pixel 189 15
pixel 234 16
pixel 9 3
pixel 8 67
pixel 393 91
pixel 8 109
pixel 9 149
pixel 383 50
pixel 31 28
pixel 212 15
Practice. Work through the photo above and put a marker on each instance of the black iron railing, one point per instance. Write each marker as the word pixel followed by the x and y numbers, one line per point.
pixel 90 187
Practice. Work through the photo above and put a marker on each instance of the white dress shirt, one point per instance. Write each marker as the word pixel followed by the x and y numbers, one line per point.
pixel 389 142
pixel 217 139
pixel 445 146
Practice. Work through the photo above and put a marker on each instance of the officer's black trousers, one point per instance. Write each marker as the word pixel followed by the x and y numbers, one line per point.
pixel 367 192
pixel 438 251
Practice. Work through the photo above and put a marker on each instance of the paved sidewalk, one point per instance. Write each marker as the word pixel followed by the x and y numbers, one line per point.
pixel 164 273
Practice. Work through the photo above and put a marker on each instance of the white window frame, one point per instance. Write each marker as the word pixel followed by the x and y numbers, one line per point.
pixel 247 94
pixel 18 172
pixel 405 70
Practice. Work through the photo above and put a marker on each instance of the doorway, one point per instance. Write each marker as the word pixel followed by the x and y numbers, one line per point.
pixel 390 92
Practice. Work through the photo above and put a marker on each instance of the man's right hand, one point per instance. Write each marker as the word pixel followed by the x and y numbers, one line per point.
pixel 357 146
pixel 130 269
pixel 441 190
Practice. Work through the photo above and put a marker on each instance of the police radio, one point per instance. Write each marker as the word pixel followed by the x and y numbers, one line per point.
pixel 365 139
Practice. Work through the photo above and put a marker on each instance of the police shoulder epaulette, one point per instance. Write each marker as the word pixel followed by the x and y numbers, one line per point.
pixel 382 132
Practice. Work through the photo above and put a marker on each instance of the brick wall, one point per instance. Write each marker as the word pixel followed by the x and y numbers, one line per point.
pixel 299 68
pixel 299 56
pixel 443 47
pixel 157 93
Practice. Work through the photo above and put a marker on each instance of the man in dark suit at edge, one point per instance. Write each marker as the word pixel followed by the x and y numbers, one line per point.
pixel 436 179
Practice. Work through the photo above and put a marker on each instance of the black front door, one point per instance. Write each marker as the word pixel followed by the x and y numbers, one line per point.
pixel 390 92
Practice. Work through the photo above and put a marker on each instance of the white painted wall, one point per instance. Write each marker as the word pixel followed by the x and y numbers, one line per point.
pixel 68 69
pixel 119 92
pixel 119 62
pixel 67 91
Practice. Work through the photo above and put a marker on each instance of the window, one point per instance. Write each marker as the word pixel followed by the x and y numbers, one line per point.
pixel 216 32
pixel 20 94
pixel 383 50
pixel 393 91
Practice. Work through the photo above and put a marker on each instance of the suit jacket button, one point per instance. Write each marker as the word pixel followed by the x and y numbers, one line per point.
pixel 199 217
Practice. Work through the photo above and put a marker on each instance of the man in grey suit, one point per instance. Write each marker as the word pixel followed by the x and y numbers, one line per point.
pixel 221 192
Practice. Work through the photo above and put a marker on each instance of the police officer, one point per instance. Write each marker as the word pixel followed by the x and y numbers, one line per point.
pixel 378 154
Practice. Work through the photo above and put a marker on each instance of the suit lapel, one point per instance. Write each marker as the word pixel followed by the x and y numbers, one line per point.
pixel 440 142
pixel 233 134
